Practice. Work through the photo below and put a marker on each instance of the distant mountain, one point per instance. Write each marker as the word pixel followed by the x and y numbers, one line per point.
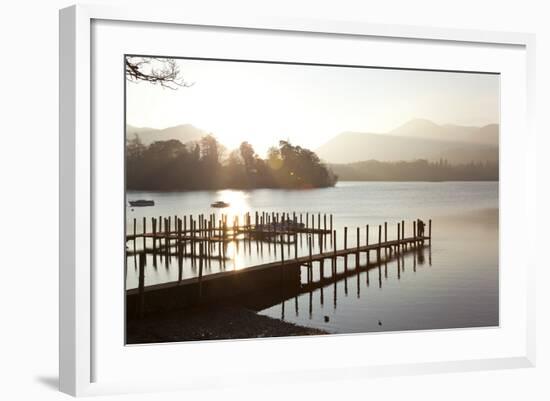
pixel 418 139
pixel 421 128
pixel 184 133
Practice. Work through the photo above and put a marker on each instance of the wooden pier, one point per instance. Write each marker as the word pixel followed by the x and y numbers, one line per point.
pixel 226 284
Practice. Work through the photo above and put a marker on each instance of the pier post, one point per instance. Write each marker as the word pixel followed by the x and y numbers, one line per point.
pixel 367 241
pixel 134 235
pixel 379 242
pixel 324 223
pixel 282 259
pixel 154 226
pixel 398 236
pixel 345 238
pixel 414 233
pixel 141 285
pixel 200 269
pixel 386 239
pixel 335 257
pixel 166 236
pixel 310 265
pixel 403 233
pixel 179 239
pixel 144 232
pixel 430 231
pixel 358 245
pixel 295 246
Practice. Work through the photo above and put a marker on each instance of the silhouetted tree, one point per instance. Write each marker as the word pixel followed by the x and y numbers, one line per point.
pixel 171 165
pixel 157 71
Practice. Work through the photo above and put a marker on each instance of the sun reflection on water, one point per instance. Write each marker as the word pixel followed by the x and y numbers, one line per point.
pixel 238 203
pixel 236 254
pixel 238 207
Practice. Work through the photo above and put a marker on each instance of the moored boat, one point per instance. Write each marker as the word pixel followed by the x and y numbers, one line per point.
pixel 142 202
pixel 220 204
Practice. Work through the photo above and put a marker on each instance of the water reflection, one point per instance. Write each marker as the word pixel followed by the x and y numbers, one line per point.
pixel 238 202
pixel 461 290
pixel 311 288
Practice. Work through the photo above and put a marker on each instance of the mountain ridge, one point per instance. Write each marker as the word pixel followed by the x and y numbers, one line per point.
pixel 182 132
pixel 416 139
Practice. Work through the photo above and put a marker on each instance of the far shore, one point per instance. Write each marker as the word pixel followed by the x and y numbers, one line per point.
pixel 130 190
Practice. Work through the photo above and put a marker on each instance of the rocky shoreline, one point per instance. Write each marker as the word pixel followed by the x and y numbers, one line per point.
pixel 210 323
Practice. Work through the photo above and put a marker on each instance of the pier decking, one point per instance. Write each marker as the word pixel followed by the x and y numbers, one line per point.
pixel 275 274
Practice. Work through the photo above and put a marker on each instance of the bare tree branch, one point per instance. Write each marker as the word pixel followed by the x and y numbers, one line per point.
pixel 157 71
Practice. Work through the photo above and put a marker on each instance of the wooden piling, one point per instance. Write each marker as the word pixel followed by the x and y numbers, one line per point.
pixel 379 242
pixel 154 228
pixel 414 233
pixel 201 257
pixel 295 246
pixel 430 231
pixel 345 238
pixel 358 245
pixel 335 246
pixel 319 222
pixel 282 258
pixel 398 235
pixel 179 245
pixel 141 285
pixel 310 264
pixel 134 235
pixel 144 233
pixel 403 232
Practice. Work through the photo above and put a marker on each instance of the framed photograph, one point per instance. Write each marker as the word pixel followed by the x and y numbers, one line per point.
pixel 247 189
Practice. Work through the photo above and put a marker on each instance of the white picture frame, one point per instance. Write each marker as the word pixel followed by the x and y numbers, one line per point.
pixel 80 343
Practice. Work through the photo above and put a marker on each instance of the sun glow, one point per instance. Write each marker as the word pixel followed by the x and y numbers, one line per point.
pixel 238 204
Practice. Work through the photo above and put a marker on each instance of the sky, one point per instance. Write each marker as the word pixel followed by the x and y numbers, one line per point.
pixel 264 102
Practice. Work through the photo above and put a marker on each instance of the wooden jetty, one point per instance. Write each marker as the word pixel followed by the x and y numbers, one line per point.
pixel 277 274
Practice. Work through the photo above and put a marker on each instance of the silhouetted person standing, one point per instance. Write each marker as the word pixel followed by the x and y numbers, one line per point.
pixel 420 228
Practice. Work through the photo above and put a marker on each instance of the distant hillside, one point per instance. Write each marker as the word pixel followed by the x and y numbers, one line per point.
pixel 418 170
pixel 184 133
pixel 418 139
pixel 420 128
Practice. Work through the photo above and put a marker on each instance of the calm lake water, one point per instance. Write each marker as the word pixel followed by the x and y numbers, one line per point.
pixel 453 283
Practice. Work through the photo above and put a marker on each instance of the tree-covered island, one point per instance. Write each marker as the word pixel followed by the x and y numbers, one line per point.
pixel 205 165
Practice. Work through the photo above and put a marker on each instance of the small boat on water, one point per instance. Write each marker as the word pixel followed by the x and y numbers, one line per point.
pixel 220 204
pixel 142 202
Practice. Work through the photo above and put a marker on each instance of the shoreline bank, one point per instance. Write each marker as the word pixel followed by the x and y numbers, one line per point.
pixel 210 323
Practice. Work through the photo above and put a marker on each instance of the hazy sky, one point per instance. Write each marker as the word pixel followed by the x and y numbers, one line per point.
pixel 262 103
